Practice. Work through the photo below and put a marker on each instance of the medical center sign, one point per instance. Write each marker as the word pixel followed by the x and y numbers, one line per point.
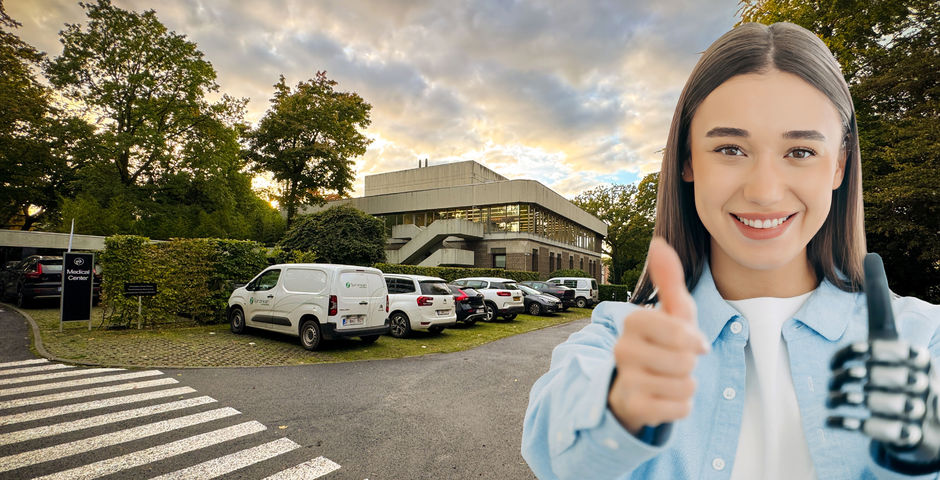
pixel 77 284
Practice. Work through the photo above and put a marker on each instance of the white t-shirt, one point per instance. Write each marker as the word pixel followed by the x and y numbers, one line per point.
pixel 771 444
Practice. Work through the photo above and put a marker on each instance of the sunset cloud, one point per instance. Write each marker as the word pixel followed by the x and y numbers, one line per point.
pixel 573 94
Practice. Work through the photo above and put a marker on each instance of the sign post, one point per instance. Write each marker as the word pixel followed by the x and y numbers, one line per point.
pixel 78 274
pixel 139 290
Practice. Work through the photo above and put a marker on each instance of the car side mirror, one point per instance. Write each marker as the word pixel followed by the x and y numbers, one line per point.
pixel 238 285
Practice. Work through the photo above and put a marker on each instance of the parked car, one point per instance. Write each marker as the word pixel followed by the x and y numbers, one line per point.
pixel 313 301
pixel 418 302
pixel 538 303
pixel 586 293
pixel 39 276
pixel 468 303
pixel 565 294
pixel 501 296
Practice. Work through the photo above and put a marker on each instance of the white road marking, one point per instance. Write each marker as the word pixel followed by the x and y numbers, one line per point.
pixel 89 422
pixel 234 461
pixel 55 397
pixel 52 366
pixel 159 452
pixel 23 362
pixel 54 376
pixel 92 405
pixel 308 470
pixel 79 383
pixel 55 452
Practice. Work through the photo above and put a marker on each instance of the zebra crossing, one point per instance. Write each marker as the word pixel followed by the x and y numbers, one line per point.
pixel 62 422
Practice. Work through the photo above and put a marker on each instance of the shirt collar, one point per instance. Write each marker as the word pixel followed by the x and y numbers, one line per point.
pixel 827 311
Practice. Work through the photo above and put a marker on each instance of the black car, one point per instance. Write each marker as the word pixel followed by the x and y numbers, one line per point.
pixel 39 276
pixel 468 303
pixel 559 291
pixel 538 303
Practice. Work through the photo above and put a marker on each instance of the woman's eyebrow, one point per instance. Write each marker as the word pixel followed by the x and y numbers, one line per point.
pixel 727 132
pixel 804 135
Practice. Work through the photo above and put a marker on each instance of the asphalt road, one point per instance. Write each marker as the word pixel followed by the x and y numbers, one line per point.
pixel 440 416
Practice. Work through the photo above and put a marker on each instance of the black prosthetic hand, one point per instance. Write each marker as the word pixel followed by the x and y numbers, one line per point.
pixel 890 387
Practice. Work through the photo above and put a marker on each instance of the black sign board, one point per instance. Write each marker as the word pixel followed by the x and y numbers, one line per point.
pixel 78 278
pixel 140 289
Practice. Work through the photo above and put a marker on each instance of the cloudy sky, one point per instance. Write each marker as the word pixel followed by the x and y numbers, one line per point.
pixel 571 93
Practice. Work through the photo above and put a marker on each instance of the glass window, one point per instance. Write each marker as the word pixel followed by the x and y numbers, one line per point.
pixel 499 260
pixel 267 280
pixel 434 287
pixel 582 263
pixel 535 259
pixel 570 261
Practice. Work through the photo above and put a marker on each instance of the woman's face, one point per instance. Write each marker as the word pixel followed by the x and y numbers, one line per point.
pixel 766 153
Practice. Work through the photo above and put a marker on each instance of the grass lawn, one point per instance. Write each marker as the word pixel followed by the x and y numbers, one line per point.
pixel 215 345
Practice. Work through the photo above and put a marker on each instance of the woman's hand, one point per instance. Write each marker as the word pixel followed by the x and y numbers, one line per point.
pixel 658 350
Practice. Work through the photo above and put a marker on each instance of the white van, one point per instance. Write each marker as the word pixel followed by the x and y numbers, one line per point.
pixel 586 293
pixel 313 301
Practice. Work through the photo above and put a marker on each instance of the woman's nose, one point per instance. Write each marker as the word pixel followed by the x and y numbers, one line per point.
pixel 765 184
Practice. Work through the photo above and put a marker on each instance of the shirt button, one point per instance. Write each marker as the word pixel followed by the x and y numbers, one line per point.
pixel 611 443
pixel 718 464
pixel 736 327
pixel 729 393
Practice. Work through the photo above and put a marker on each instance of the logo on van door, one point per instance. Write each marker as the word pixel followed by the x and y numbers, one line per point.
pixel 356 285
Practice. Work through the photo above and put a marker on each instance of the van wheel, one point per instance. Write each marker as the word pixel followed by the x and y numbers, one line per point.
pixel 490 310
pixel 581 302
pixel 22 301
pixel 435 329
pixel 535 309
pixel 399 325
pixel 310 335
pixel 369 339
pixel 236 320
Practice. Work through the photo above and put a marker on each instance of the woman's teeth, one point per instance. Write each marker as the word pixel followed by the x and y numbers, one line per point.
pixel 762 223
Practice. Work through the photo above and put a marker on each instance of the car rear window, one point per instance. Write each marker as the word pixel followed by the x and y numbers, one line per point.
pixel 51 266
pixel 510 286
pixel 434 287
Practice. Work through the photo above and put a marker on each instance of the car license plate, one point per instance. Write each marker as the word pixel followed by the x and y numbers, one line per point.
pixel 443 312
pixel 354 320
pixel 515 299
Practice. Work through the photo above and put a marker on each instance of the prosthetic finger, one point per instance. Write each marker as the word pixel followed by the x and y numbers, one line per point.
pixel 895 352
pixel 896 379
pixel 841 377
pixel 893 432
pixel 856 352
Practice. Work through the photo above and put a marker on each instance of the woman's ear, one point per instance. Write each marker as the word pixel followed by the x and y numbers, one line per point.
pixel 687 171
pixel 840 169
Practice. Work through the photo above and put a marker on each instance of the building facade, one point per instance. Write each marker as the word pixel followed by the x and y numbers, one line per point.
pixel 464 214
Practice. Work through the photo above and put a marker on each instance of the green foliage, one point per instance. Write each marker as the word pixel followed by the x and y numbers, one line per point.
pixel 278 255
pixel 566 272
pixel 452 273
pixel 632 276
pixel 341 234
pixel 307 140
pixel 889 56
pixel 616 293
pixel 194 277
pixel 630 212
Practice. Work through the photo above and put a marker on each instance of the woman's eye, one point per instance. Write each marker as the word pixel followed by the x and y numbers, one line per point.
pixel 729 150
pixel 801 153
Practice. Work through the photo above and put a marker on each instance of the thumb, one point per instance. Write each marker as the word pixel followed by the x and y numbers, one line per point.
pixel 668 277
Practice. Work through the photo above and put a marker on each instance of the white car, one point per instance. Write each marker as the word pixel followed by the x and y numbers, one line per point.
pixel 501 296
pixel 418 302
pixel 586 293
pixel 313 301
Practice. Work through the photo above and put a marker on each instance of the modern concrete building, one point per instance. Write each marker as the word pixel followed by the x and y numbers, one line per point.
pixel 464 214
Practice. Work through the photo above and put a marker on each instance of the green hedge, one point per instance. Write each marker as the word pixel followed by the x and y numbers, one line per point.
pixel 452 273
pixel 567 272
pixel 194 277
pixel 617 293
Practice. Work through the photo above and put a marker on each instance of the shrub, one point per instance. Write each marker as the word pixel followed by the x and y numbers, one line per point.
pixel 567 272
pixel 617 293
pixel 341 234
pixel 452 273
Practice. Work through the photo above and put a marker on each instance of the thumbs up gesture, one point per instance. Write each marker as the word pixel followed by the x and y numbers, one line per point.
pixel 657 352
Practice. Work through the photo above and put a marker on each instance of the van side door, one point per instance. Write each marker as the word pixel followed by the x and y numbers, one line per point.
pixel 260 298
pixel 301 290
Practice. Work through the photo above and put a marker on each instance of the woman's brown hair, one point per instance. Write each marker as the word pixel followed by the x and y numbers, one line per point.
pixel 836 251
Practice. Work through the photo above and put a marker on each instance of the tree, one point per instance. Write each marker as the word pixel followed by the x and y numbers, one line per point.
pixel 629 211
pixel 341 234
pixel 890 58
pixel 37 140
pixel 168 161
pixel 307 140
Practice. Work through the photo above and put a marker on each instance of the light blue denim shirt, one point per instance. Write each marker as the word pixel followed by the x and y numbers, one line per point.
pixel 570 433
